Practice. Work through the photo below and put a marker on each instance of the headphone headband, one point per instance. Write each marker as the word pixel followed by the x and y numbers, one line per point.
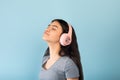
pixel 70 31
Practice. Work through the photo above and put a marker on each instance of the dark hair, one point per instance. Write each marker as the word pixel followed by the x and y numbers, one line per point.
pixel 71 50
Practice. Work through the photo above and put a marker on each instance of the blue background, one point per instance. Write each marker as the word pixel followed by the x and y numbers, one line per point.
pixel 22 23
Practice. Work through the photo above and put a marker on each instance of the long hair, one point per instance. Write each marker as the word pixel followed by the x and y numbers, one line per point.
pixel 71 50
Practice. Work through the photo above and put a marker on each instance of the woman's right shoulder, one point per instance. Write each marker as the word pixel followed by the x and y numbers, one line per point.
pixel 44 58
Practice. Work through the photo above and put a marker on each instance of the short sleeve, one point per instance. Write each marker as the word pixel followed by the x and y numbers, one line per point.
pixel 71 70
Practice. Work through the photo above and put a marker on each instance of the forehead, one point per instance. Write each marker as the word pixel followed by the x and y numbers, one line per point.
pixel 56 24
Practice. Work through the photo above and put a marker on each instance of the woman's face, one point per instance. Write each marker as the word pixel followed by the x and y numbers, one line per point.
pixel 53 32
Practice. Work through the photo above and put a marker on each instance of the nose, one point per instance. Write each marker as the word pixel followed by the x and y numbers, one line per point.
pixel 47 29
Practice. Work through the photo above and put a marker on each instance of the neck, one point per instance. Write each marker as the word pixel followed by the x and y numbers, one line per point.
pixel 54 50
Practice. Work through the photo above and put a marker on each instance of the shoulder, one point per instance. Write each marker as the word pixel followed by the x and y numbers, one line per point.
pixel 67 62
pixel 45 59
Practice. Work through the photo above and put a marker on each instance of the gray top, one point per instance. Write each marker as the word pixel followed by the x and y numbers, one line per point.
pixel 63 68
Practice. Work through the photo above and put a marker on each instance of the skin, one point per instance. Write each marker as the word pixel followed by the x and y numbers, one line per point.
pixel 52 36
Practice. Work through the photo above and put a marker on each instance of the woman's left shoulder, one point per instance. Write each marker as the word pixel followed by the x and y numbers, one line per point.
pixel 68 61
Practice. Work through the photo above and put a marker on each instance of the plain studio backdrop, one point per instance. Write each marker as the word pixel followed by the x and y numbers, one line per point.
pixel 97 26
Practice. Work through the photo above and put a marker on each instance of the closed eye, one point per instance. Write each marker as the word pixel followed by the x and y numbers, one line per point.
pixel 54 28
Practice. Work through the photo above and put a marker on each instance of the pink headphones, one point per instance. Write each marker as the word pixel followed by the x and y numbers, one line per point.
pixel 66 38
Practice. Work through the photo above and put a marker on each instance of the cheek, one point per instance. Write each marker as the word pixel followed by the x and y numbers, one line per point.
pixel 56 37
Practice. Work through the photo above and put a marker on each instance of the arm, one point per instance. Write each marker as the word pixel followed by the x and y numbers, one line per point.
pixel 72 79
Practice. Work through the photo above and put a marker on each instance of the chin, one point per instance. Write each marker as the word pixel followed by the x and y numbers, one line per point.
pixel 45 39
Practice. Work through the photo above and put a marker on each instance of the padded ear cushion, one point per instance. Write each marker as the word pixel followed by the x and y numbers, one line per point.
pixel 65 39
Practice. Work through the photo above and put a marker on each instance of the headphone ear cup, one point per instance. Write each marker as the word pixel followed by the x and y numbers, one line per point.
pixel 65 39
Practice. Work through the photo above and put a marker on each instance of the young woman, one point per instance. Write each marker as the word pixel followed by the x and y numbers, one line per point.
pixel 61 60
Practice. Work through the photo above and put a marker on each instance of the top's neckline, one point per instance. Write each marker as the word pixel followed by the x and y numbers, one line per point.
pixel 52 64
